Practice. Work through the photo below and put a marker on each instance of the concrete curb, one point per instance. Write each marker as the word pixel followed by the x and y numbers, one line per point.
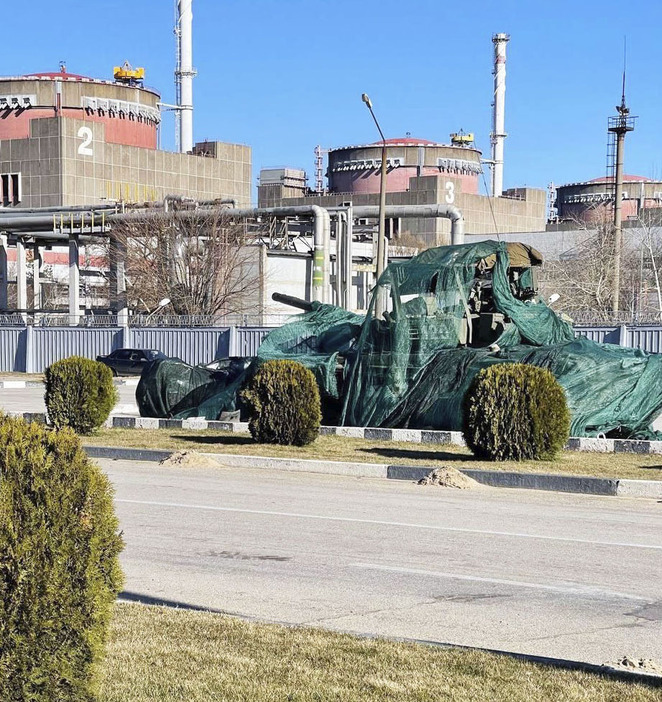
pixel 126 454
pixel 20 384
pixel 584 485
pixel 415 436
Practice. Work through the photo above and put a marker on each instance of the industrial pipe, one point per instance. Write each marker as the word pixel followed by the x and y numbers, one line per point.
pixel 224 201
pixel 20 211
pixel 341 226
pixel 419 212
pixel 344 256
pixel 321 231
pixel 44 223
pixel 321 239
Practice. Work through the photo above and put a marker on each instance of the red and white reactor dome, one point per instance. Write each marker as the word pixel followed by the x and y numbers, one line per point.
pixel 128 110
pixel 356 169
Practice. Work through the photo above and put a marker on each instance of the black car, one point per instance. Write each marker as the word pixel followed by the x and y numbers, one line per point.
pixel 130 361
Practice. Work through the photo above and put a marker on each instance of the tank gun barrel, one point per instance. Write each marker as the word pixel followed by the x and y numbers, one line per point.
pixel 292 301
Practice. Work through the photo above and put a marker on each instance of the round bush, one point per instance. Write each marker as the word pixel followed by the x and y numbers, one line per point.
pixel 283 403
pixel 59 568
pixel 79 394
pixel 515 412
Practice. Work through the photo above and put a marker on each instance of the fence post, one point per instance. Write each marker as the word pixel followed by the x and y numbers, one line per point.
pixel 29 349
pixel 125 336
pixel 233 345
pixel 623 335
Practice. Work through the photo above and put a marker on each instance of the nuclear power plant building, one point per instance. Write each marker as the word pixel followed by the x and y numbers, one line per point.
pixel 69 140
pixel 419 172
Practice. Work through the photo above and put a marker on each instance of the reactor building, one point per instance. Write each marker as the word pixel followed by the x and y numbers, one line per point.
pixel 68 140
pixel 419 172
pixel 592 201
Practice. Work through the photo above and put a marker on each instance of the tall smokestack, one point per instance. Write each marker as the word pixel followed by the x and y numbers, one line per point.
pixel 618 126
pixel 184 73
pixel 498 115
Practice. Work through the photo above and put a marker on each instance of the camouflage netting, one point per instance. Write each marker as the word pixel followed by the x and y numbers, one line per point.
pixel 451 311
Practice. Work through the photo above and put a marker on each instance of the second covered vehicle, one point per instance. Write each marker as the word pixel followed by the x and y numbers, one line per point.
pixel 130 361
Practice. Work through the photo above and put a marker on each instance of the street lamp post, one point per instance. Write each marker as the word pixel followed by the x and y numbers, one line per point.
pixel 163 303
pixel 382 244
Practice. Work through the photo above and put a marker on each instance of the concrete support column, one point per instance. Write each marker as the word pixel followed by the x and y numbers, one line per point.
pixel 340 233
pixel 262 285
pixel 29 349
pixel 4 273
pixel 21 278
pixel 233 342
pixel 37 301
pixel 74 280
pixel 118 298
pixel 348 255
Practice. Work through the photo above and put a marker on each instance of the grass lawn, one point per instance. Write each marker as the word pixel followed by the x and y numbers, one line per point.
pixel 337 448
pixel 183 656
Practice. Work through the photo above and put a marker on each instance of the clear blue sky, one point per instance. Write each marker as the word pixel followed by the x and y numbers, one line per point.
pixel 283 76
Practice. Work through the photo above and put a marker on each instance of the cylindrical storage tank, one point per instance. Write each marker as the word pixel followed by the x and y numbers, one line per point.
pixel 592 201
pixel 357 169
pixel 129 112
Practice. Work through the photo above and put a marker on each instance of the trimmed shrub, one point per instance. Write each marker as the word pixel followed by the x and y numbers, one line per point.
pixel 59 567
pixel 514 411
pixel 283 403
pixel 79 394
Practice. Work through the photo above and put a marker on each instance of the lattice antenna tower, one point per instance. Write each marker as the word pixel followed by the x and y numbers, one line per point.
pixel 617 127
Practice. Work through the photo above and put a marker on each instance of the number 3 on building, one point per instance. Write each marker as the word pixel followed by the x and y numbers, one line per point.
pixel 84 149
pixel 450 192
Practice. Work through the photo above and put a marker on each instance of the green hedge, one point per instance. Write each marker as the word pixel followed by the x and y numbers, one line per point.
pixel 283 403
pixel 79 394
pixel 514 411
pixel 59 568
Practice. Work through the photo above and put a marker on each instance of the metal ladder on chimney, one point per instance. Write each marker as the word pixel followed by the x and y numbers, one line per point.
pixel 611 165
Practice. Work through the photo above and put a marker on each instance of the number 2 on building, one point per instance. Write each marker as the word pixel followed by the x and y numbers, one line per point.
pixel 84 149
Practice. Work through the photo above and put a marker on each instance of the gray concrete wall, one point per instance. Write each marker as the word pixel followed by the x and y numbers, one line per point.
pixel 118 172
pixel 59 167
pixel 524 211
pixel 38 160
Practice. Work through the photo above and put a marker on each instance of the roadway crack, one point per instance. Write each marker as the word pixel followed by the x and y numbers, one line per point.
pixel 629 625
pixel 323 620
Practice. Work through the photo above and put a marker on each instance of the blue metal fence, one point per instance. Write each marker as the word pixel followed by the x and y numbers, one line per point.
pixel 31 349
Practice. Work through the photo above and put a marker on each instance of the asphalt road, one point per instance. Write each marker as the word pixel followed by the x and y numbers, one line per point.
pixel 32 400
pixel 549 574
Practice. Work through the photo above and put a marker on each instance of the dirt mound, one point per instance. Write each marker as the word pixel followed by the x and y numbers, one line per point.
pixel 449 477
pixel 190 459
pixel 637 665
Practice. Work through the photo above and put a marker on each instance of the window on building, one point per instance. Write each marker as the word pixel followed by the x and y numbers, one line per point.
pixel 10 189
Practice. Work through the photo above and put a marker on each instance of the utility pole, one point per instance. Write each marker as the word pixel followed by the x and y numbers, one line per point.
pixel 382 244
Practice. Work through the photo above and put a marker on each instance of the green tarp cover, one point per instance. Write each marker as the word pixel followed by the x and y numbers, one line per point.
pixel 407 368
